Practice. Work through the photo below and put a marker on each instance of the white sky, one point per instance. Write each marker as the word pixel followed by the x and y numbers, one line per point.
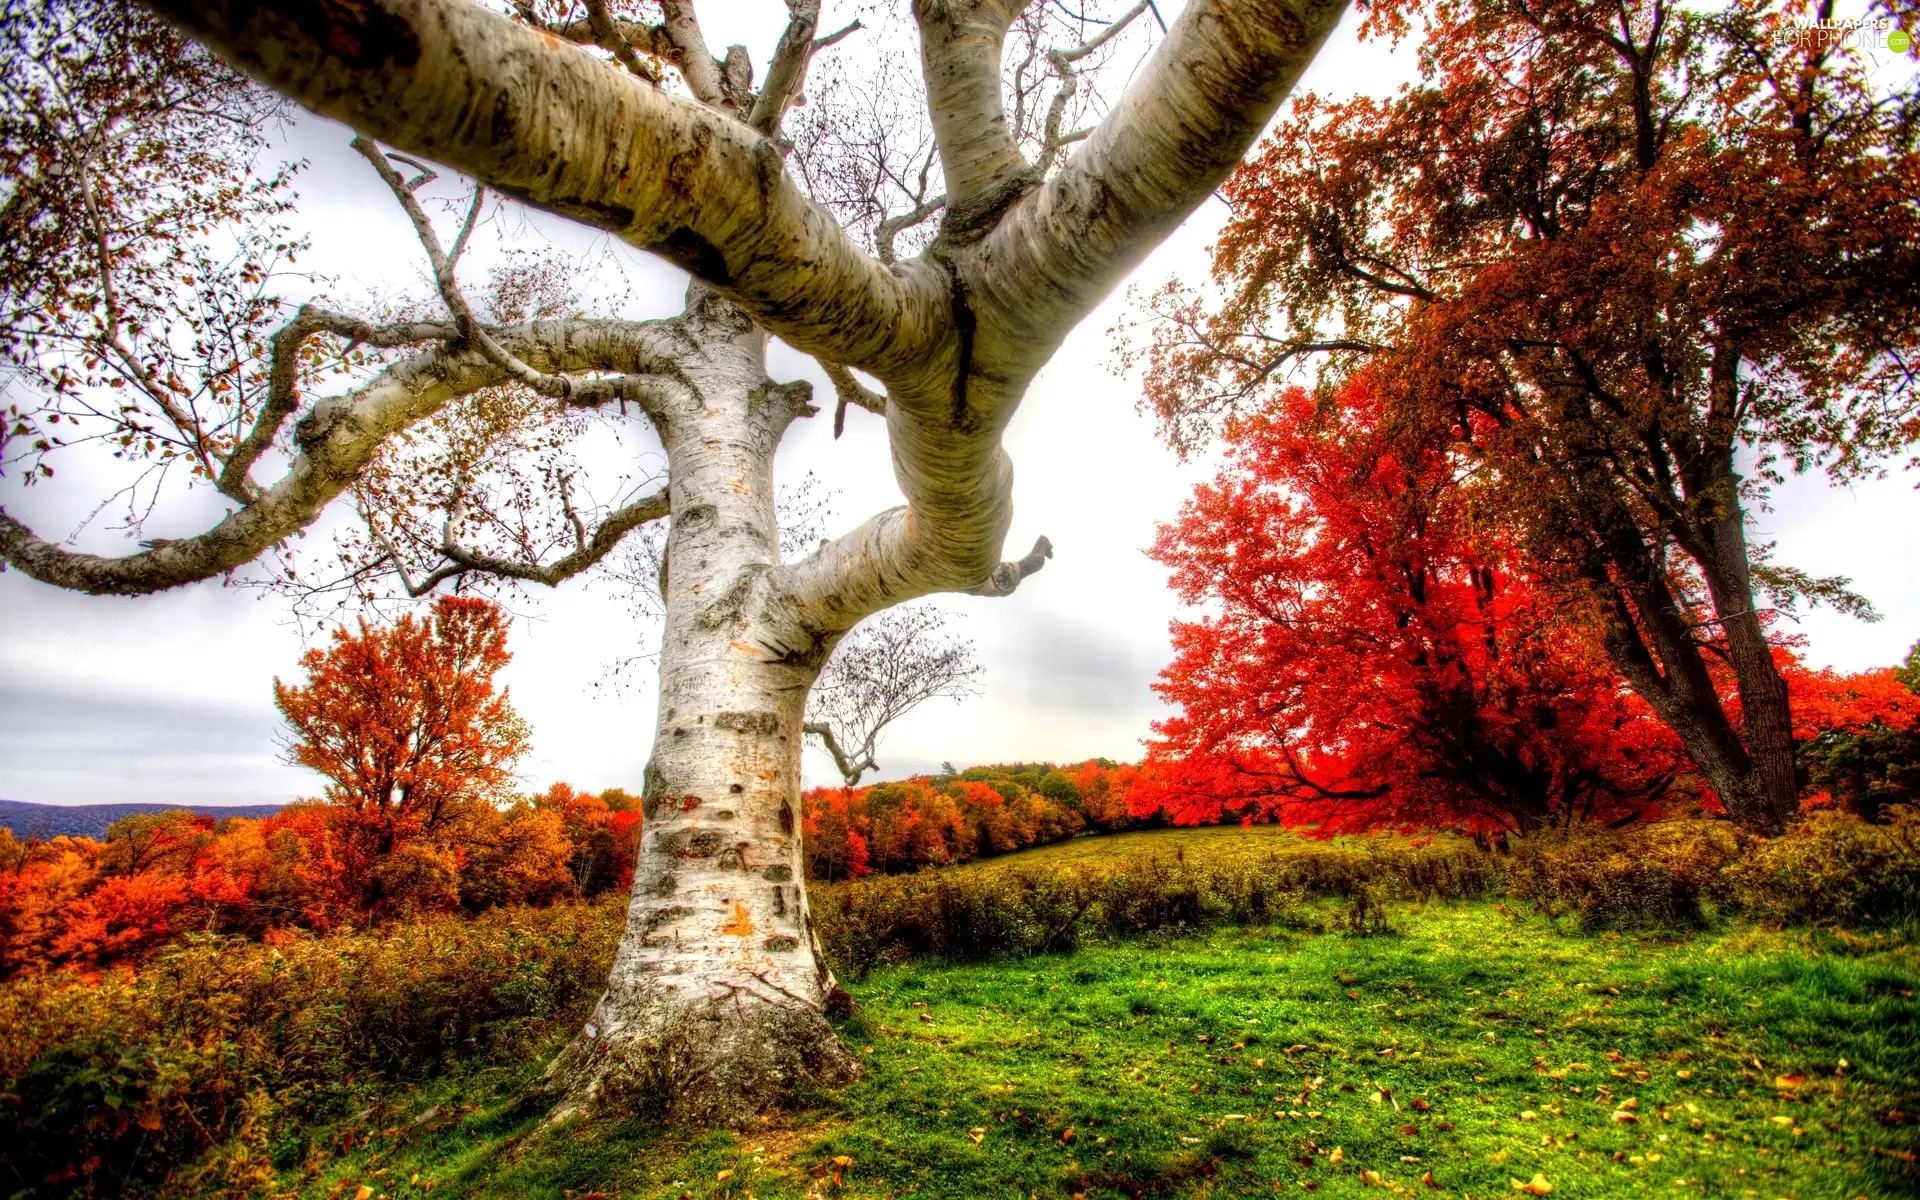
pixel 168 698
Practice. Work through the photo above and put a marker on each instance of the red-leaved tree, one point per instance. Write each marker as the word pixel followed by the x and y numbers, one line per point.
pixel 1644 257
pixel 1375 659
pixel 406 723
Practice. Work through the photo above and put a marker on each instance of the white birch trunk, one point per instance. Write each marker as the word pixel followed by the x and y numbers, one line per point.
pixel 717 1002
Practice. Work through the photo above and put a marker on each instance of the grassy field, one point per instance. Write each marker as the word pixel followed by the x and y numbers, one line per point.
pixel 1214 842
pixel 1470 1050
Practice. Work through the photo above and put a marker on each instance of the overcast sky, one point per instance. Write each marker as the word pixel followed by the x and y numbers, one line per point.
pixel 168 698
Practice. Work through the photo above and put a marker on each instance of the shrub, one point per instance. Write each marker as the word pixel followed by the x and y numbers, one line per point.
pixel 1835 868
pixel 981 911
pixel 132 1076
pixel 1656 875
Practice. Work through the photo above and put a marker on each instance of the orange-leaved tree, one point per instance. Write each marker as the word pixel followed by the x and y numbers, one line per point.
pixel 1638 259
pixel 1374 655
pixel 406 723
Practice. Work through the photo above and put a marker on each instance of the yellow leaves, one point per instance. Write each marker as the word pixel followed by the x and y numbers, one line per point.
pixel 1529 1116
pixel 1337 1156
pixel 722 1176
pixel 1781 1120
pixel 1788 1082
pixel 1068 1135
pixel 1622 1117
pixel 1374 1179
pixel 1537 1186
pixel 977 1134
pixel 363 1193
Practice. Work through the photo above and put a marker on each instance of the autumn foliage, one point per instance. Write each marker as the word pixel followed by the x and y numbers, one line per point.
pixel 419 816
pixel 1638 261
pixel 404 722
pixel 1378 657
pixel 930 821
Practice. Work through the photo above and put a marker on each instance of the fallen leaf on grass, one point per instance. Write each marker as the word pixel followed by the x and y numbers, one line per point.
pixel 1428 1180
pixel 723 1176
pixel 1625 1118
pixel 1374 1179
pixel 1537 1186
pixel 1788 1081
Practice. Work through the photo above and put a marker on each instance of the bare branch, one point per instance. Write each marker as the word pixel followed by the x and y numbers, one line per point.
pixel 850 770
pixel 1007 576
pixel 558 387
pixel 608 37
pixel 787 72
pixel 283 397
pixel 850 391
pixel 1209 88
pixel 884 669
pixel 587 551
pixel 1063 61
pixel 691 56
pixel 333 443
pixel 886 231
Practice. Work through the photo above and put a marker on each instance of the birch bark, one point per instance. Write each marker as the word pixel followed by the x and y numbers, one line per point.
pixel 717 1001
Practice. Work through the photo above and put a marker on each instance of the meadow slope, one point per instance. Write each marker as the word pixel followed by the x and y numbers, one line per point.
pixel 1463 1049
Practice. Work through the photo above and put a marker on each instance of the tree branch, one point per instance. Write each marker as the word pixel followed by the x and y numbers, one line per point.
pixel 283 397
pixel 1063 61
pixel 333 443
pixel 587 550
pixel 787 72
pixel 892 227
pixel 849 770
pixel 1007 576
pixel 1210 87
pixel 490 98
pixel 608 36
pixel 850 391
pixel 961 43
pixel 694 60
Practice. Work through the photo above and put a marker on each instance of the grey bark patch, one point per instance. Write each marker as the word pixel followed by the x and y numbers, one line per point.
pixel 778 874
pixel 690 843
pixel 725 814
pixel 663 916
pixel 653 789
pixel 765 724
pixel 780 942
pixel 736 788
pixel 786 818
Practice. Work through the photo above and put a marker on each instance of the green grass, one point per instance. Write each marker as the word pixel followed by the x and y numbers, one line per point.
pixel 1215 843
pixel 1239 1063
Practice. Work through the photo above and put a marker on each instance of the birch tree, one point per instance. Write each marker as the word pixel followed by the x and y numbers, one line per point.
pixel 628 122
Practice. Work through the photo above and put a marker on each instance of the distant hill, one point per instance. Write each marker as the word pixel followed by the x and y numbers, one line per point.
pixel 46 821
